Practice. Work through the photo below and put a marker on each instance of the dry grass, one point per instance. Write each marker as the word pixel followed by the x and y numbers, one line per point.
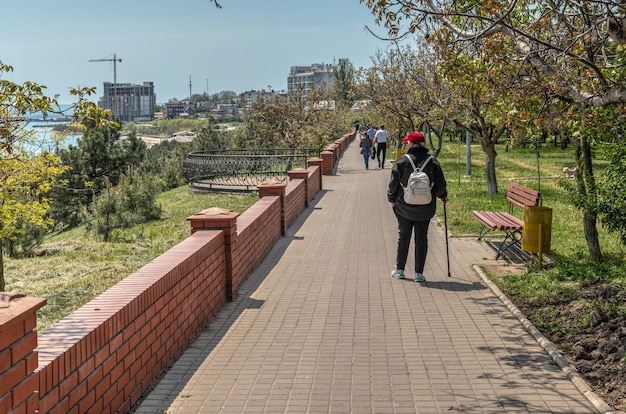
pixel 73 267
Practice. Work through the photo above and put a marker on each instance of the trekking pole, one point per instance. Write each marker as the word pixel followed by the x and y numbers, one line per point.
pixel 445 222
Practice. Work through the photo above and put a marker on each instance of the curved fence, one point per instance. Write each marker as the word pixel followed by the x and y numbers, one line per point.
pixel 243 169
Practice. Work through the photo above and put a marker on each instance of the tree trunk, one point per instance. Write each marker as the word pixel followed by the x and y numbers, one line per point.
pixel 490 167
pixel 587 189
pixel 2 285
pixel 591 235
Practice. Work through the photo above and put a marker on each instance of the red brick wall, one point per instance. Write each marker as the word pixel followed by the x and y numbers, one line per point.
pixel 295 200
pixel 18 358
pixel 314 181
pixel 104 356
pixel 258 229
pixel 334 151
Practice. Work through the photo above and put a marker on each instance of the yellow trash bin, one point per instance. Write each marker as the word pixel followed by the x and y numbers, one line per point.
pixel 537 232
pixel 399 153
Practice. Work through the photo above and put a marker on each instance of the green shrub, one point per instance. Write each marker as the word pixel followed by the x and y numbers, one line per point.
pixel 131 202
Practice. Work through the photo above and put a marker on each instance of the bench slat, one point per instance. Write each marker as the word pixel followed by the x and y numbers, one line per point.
pixel 522 196
pixel 499 220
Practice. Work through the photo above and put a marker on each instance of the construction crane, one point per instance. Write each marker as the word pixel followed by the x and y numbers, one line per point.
pixel 114 59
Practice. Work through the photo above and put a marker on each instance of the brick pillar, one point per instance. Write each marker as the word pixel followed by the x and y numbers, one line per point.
pixel 317 162
pixel 327 162
pixel 335 147
pixel 275 188
pixel 302 174
pixel 19 384
pixel 216 218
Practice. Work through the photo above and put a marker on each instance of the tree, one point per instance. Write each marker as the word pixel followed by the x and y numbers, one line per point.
pixel 25 179
pixel 344 90
pixel 576 50
pixel 131 202
pixel 575 46
pixel 612 190
pixel 394 94
pixel 210 138
pixel 603 128
pixel 224 96
pixel 407 91
pixel 293 122
pixel 484 101
pixel 24 196
pixel 100 156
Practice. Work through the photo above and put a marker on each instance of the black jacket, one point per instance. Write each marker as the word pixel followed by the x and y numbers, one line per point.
pixel 400 176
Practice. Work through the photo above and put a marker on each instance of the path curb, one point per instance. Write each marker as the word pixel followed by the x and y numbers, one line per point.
pixel 551 349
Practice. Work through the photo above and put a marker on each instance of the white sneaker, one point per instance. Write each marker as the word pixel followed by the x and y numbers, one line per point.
pixel 397 274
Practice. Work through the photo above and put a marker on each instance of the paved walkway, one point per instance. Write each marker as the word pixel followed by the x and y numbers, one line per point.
pixel 321 326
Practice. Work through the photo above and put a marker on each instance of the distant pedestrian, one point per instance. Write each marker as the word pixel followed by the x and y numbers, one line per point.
pixel 380 140
pixel 414 218
pixel 371 131
pixel 366 146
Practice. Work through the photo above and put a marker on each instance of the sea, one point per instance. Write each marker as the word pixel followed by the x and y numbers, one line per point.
pixel 42 126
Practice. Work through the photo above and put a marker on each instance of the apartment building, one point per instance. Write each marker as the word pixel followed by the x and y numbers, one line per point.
pixel 129 102
pixel 250 97
pixel 304 79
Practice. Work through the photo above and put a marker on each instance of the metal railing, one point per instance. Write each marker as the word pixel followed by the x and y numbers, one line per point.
pixel 243 169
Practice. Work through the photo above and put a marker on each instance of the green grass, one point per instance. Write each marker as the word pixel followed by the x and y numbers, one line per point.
pixel 520 165
pixel 73 267
pixel 569 268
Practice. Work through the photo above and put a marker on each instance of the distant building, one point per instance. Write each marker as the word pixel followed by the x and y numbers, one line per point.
pixel 129 102
pixel 304 79
pixel 222 109
pixel 250 97
pixel 175 109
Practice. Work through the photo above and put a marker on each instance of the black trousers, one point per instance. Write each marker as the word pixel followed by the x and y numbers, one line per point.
pixel 381 149
pixel 420 231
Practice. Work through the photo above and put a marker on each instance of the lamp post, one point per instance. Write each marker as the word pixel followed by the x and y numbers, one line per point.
pixel 468 152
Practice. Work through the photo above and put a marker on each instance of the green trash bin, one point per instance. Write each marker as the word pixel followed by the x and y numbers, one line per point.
pixel 537 232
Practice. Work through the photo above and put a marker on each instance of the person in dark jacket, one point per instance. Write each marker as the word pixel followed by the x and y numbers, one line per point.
pixel 366 146
pixel 414 218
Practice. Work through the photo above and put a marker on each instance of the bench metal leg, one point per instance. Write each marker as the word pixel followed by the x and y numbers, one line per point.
pixel 515 237
pixel 483 232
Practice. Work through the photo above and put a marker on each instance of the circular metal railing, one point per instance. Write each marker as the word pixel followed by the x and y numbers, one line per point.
pixel 243 169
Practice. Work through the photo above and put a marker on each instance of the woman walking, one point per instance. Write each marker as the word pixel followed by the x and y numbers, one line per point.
pixel 413 218
pixel 366 146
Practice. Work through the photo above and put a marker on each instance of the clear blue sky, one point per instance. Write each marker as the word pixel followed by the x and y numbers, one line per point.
pixel 248 44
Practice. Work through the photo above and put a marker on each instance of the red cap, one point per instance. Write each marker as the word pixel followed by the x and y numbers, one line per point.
pixel 414 137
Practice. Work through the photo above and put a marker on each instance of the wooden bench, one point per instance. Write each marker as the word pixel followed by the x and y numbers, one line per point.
pixel 518 196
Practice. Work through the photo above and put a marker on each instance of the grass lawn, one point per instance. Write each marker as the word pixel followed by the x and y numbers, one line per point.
pixel 73 267
pixel 469 193
pixel 570 266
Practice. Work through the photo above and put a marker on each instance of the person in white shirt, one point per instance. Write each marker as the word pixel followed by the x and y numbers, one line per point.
pixel 380 140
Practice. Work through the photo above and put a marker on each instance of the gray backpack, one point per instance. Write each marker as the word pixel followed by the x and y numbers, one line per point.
pixel 418 188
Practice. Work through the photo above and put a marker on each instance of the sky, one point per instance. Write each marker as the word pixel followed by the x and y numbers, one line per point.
pixel 245 45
